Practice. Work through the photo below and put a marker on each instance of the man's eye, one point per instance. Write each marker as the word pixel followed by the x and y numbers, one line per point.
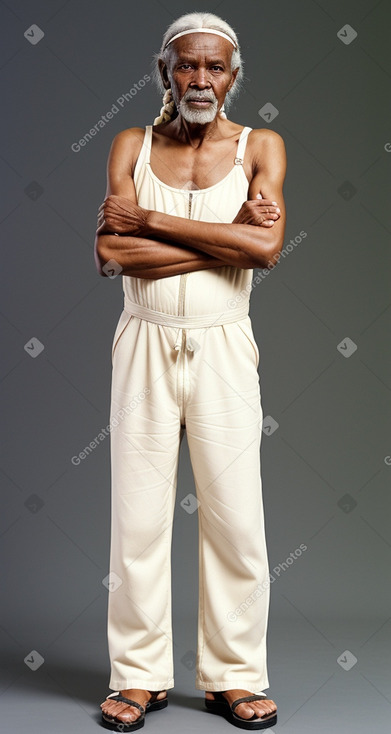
pixel 182 66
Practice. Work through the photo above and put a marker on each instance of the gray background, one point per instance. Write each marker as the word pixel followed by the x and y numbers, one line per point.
pixel 326 476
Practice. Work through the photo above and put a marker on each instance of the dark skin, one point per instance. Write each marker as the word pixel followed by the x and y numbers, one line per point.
pixel 156 245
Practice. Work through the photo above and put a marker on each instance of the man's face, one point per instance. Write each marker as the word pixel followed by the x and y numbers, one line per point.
pixel 200 75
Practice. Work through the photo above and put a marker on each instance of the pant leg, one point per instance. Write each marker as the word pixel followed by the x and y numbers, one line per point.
pixel 144 462
pixel 223 425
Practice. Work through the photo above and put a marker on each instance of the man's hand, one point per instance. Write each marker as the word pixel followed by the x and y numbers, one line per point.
pixel 259 212
pixel 121 215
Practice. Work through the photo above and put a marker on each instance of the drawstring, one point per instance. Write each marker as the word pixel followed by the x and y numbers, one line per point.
pixel 190 344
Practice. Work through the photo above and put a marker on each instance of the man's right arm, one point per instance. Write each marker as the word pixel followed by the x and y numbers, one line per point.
pixel 138 256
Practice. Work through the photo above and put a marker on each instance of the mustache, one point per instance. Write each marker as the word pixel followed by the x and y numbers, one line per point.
pixel 198 97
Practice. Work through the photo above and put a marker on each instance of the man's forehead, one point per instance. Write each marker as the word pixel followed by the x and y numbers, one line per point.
pixel 195 44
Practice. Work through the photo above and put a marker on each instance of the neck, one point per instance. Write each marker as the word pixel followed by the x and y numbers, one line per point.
pixel 195 133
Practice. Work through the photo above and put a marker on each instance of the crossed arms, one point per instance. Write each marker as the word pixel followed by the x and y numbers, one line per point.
pixel 156 245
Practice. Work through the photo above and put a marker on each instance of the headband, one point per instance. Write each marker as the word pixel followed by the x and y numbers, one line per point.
pixel 202 30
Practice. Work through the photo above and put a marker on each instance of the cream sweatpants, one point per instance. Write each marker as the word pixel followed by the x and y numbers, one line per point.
pixel 203 377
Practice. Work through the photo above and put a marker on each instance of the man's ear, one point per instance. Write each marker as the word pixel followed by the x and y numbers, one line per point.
pixel 234 75
pixel 163 73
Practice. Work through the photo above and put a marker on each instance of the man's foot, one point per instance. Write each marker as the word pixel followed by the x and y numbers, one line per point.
pixel 246 709
pixel 123 711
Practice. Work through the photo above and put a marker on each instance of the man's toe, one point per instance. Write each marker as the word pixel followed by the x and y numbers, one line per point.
pixel 259 708
pixel 245 711
pixel 129 714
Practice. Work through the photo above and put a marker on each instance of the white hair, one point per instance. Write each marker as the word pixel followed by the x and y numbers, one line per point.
pixel 184 23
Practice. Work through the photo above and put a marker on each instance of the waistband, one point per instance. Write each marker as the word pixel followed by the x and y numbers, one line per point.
pixel 187 322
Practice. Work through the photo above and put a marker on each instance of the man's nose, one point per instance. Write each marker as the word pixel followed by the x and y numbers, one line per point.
pixel 200 78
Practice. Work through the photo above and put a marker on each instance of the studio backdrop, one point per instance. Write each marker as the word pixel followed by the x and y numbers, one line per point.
pixel 72 75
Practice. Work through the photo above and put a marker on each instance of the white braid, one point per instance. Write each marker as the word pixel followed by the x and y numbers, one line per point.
pixel 168 108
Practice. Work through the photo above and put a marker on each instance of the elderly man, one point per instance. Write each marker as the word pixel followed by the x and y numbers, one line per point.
pixel 193 204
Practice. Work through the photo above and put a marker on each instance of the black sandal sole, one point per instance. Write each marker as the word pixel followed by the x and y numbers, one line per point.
pixel 223 708
pixel 114 724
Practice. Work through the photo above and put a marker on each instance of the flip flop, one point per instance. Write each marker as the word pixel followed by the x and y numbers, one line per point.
pixel 111 722
pixel 221 706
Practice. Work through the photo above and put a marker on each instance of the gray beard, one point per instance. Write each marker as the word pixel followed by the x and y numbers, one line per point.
pixel 199 116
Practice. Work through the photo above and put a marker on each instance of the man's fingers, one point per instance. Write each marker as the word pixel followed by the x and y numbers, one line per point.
pixel 269 209
pixel 268 204
pixel 267 201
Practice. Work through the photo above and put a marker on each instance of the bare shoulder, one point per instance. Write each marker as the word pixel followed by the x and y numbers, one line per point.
pixel 126 146
pixel 129 134
pixel 265 137
pixel 267 146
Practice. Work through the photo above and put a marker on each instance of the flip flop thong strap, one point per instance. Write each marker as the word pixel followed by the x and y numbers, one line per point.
pixel 255 697
pixel 118 697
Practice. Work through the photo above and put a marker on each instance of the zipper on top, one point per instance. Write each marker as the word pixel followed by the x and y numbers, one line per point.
pixel 183 277
pixel 181 312
pixel 190 203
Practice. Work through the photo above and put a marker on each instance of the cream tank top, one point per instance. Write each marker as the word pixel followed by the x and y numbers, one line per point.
pixel 202 291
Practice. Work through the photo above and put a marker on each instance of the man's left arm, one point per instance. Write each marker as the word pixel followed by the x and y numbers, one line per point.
pixel 241 245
